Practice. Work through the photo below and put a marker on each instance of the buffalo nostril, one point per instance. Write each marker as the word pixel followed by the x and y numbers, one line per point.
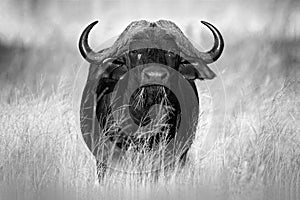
pixel 164 76
pixel 147 76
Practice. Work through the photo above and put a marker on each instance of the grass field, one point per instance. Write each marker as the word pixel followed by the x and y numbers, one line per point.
pixel 44 156
pixel 256 155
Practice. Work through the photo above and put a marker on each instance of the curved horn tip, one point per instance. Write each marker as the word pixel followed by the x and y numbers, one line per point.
pixel 94 23
pixel 218 47
pixel 84 48
pixel 205 23
pixel 209 25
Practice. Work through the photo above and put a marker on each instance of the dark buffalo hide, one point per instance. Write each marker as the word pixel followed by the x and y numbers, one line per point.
pixel 156 50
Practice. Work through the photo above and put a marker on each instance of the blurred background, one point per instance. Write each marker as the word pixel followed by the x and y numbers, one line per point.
pixel 38 39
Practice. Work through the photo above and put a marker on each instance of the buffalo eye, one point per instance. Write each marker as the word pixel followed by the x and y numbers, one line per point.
pixel 133 53
pixel 172 59
pixel 170 54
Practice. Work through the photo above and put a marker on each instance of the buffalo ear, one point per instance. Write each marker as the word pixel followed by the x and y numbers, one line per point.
pixel 195 68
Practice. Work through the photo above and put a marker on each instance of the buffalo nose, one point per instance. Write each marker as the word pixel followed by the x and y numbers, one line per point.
pixel 155 74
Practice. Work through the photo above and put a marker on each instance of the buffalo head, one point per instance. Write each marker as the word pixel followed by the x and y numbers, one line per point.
pixel 155 53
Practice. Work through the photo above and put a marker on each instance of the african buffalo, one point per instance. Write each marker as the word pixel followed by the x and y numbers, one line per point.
pixel 155 53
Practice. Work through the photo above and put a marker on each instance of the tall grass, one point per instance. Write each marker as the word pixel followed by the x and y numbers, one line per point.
pixel 44 156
